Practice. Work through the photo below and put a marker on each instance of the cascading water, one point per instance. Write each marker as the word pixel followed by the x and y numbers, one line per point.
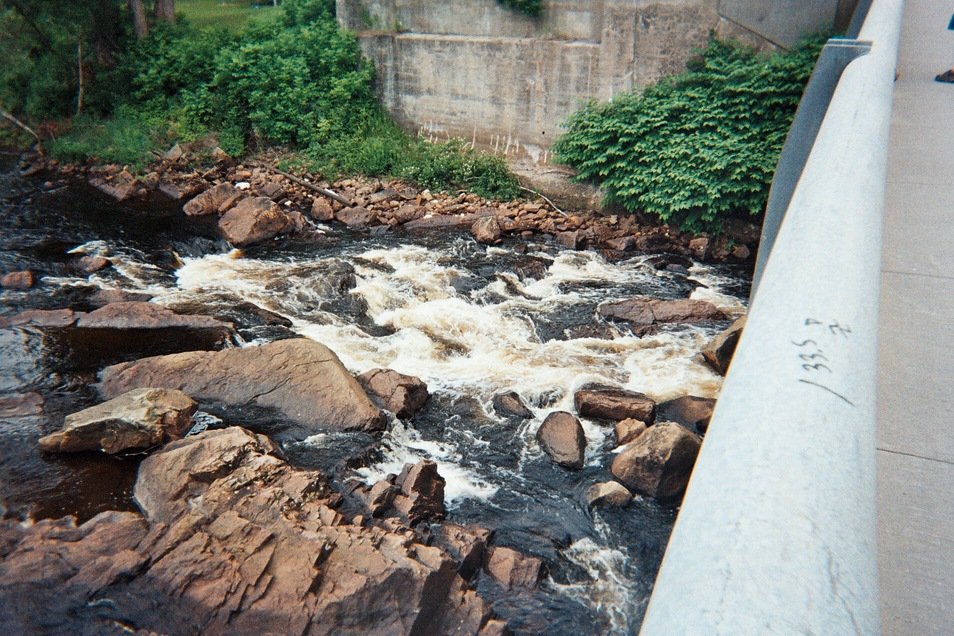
pixel 471 322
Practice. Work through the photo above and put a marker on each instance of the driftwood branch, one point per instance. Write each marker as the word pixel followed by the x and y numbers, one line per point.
pixel 79 63
pixel 552 204
pixel 20 124
pixel 311 186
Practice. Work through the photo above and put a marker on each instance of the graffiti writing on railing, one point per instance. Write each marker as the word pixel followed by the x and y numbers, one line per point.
pixel 818 365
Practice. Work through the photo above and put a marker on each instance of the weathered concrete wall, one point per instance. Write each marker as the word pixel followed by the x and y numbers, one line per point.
pixel 476 70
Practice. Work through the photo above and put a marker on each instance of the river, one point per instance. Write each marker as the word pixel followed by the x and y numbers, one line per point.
pixel 469 320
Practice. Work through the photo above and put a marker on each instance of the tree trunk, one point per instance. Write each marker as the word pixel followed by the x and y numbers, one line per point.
pixel 139 18
pixel 166 11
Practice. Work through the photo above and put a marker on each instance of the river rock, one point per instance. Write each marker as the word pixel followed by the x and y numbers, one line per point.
pixel 658 463
pixel 120 187
pixel 561 437
pixel 644 314
pixel 629 429
pixel 321 210
pixel 688 410
pixel 487 230
pixel 513 570
pixel 467 545
pixel 403 395
pixel 138 419
pixel 408 212
pixel 90 264
pixel 614 404
pixel 301 380
pixel 216 200
pixel 510 404
pixel 254 220
pixel 21 405
pixel 273 190
pixel 356 218
pixel 422 492
pixel 608 493
pixel 719 351
pixel 103 297
pixel 233 541
pixel 21 280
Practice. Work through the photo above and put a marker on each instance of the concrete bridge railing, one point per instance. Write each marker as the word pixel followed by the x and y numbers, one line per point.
pixel 776 533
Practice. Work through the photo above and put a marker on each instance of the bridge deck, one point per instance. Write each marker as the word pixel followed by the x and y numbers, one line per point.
pixel 916 350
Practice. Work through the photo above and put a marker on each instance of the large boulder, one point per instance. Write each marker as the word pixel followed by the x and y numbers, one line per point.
pixel 719 351
pixel 300 379
pixel 510 404
pixel 216 200
pixel 689 410
pixel 487 230
pixel 254 220
pixel 403 395
pixel 658 463
pixel 513 570
pixel 234 541
pixel 138 419
pixel 614 404
pixel 561 437
pixel 644 314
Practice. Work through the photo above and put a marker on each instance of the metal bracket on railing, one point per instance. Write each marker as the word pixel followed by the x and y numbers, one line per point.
pixel 836 55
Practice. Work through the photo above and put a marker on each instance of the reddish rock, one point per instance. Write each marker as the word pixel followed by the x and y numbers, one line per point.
pixel 321 210
pixel 120 187
pixel 719 351
pixel 422 492
pixel 467 545
pixel 22 405
pixel 356 218
pixel 513 570
pixel 688 410
pixel 658 463
pixel 628 430
pixel 561 437
pixel 614 404
pixel 403 395
pixel 610 493
pixel 212 200
pixel 741 253
pixel 103 297
pixel 254 220
pixel 299 378
pixel 272 190
pixel 699 247
pixel 138 419
pixel 91 264
pixel 644 313
pixel 234 541
pixel 510 404
pixel 486 230
pixel 18 280
pixel 570 240
pixel 407 213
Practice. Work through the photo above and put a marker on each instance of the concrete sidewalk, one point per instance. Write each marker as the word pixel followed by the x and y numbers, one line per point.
pixel 916 343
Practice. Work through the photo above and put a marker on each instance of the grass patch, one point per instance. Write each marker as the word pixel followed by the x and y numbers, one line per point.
pixel 233 16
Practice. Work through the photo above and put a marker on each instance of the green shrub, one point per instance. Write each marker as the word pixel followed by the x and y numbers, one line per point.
pixel 126 138
pixel 697 147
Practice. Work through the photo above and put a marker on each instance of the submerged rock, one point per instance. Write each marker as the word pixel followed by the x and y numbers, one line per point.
pixel 137 419
pixel 719 351
pixel 561 437
pixel 302 380
pixel 234 541
pixel 21 280
pixel 403 395
pixel 645 314
pixel 614 404
pixel 510 404
pixel 21 405
pixel 658 463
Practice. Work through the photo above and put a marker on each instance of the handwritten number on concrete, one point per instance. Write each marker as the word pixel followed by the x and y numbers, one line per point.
pixel 813 359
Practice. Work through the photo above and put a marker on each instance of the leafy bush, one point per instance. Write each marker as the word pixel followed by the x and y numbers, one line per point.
pixel 694 148
pixel 126 138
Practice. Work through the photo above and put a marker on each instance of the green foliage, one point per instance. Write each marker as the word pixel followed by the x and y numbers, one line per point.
pixel 530 7
pixel 126 138
pixel 700 146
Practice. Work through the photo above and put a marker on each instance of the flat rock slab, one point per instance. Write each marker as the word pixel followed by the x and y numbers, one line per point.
pixel 302 380
pixel 645 314
pixel 138 419
pixel 614 404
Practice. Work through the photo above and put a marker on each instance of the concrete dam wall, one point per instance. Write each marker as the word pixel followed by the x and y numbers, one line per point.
pixel 502 80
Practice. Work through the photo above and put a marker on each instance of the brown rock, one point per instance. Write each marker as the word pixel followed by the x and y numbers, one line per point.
pixel 356 218
pixel 381 496
pixel 467 545
pixel 272 190
pixel 23 405
pixel 120 187
pixel 143 315
pixel 644 313
pixel 407 213
pixel 741 252
pixel 658 463
pixel 688 410
pixel 561 437
pixel 103 297
pixel 422 492
pixel 321 210
pixel 614 404
pixel 210 201
pixel 628 430
pixel 513 570
pixel 609 493
pixel 300 379
pixel 699 247
pixel 510 404
pixel 570 240
pixel 137 419
pixel 486 230
pixel 622 244
pixel 18 280
pixel 403 395
pixel 718 353
pixel 254 220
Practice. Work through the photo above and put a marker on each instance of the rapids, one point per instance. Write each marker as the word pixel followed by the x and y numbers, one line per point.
pixel 470 321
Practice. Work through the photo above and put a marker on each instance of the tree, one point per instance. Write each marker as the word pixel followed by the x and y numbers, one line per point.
pixel 140 26
pixel 166 11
